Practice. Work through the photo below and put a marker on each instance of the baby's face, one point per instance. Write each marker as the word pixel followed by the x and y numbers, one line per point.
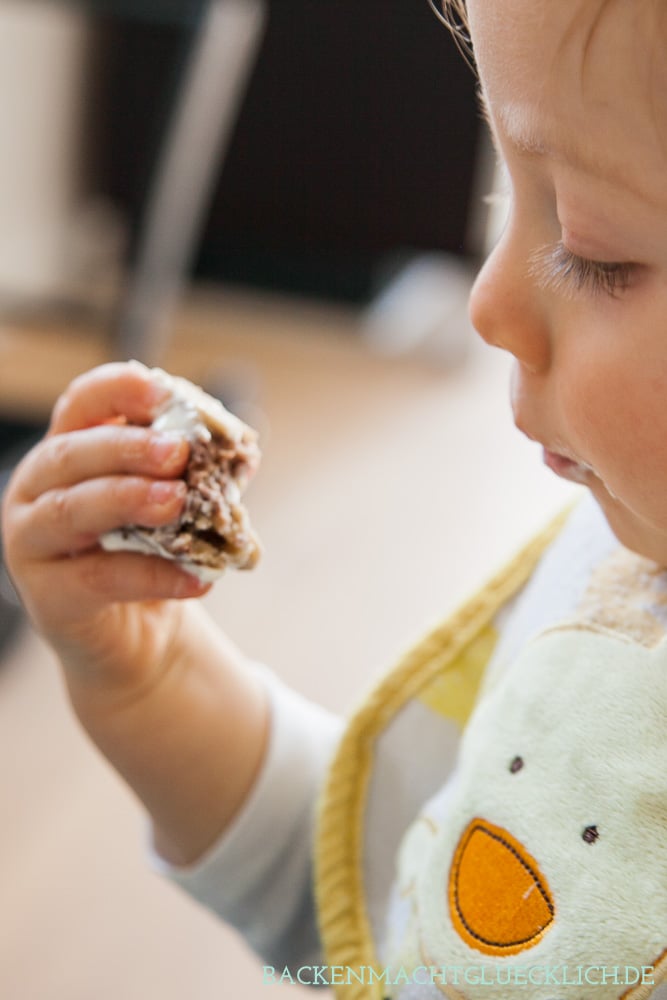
pixel 576 288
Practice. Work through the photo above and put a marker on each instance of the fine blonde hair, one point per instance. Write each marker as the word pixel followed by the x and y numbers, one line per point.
pixel 453 14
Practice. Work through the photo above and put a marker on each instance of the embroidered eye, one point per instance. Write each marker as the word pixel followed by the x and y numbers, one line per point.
pixel 516 765
pixel 590 834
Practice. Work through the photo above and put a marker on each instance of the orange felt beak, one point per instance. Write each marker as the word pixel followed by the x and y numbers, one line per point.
pixel 499 901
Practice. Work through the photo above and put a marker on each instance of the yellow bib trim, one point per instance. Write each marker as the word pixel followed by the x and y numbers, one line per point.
pixel 344 924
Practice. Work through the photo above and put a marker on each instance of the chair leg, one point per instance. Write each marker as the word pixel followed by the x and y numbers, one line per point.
pixel 220 64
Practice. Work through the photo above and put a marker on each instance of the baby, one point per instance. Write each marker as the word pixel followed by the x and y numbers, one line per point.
pixel 520 848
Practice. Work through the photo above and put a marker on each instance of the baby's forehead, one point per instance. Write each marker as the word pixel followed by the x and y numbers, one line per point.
pixel 610 62
pixel 631 32
pixel 588 73
pixel 599 44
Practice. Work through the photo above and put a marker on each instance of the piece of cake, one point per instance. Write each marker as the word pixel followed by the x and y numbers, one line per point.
pixel 214 529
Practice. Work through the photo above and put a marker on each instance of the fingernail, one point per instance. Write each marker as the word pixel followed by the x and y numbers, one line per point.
pixel 166 445
pixel 157 392
pixel 189 585
pixel 163 493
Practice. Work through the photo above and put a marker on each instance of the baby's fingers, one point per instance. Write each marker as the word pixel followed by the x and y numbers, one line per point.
pixel 65 521
pixel 110 392
pixel 66 459
pixel 68 591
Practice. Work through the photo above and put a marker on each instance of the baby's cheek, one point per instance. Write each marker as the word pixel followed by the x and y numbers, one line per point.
pixel 617 417
pixel 600 417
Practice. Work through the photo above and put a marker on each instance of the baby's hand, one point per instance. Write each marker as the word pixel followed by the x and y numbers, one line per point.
pixel 111 617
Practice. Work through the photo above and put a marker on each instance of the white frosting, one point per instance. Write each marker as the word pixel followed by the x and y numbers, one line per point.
pixel 138 540
pixel 189 403
pixel 182 416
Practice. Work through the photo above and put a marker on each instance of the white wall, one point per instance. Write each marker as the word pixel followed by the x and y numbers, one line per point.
pixel 42 56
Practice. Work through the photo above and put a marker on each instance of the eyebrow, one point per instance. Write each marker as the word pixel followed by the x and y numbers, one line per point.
pixel 528 143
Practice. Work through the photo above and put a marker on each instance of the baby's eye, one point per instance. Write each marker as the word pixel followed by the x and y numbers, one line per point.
pixel 557 268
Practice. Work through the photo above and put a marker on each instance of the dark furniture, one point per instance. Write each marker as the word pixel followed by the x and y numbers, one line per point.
pixel 356 143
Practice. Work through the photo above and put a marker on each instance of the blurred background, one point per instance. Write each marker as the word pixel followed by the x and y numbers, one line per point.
pixel 283 200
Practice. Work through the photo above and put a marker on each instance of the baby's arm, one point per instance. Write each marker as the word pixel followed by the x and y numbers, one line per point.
pixel 159 688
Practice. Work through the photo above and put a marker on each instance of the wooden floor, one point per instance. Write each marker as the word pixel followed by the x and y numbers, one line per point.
pixel 388 489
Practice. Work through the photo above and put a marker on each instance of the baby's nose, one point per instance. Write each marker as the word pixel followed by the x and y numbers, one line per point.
pixel 507 312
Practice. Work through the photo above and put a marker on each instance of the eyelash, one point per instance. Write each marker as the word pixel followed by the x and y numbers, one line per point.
pixel 555 267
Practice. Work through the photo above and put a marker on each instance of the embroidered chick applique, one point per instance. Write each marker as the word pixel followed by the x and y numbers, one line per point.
pixel 548 849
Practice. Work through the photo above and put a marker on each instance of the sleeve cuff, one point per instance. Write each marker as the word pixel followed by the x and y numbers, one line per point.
pixel 257 875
